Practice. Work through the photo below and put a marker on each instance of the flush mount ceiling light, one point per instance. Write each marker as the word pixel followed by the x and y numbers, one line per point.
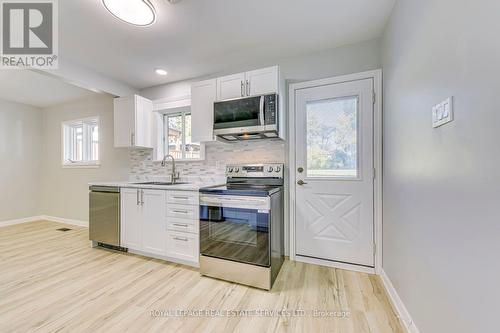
pixel 135 12
pixel 160 71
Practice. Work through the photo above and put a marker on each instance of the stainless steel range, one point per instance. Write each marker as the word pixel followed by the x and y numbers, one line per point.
pixel 241 226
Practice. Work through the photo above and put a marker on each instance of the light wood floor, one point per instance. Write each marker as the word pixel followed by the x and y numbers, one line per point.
pixel 53 281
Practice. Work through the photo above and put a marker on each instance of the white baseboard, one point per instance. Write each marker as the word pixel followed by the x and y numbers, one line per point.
pixel 44 217
pixel 398 304
pixel 66 221
pixel 19 221
pixel 335 264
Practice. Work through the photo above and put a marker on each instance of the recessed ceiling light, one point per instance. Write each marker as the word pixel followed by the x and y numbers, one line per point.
pixel 160 71
pixel 136 12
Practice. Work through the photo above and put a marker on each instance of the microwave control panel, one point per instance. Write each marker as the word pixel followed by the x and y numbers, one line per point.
pixel 271 107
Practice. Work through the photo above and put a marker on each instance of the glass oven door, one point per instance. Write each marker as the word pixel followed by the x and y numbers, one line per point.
pixel 235 228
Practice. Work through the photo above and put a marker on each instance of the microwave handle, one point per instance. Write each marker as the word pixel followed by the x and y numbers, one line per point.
pixel 261 111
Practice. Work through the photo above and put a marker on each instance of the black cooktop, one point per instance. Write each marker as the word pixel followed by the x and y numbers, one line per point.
pixel 246 189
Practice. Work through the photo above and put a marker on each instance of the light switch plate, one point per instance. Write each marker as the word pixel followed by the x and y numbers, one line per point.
pixel 442 113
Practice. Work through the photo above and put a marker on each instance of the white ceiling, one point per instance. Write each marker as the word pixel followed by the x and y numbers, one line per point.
pixel 194 38
pixel 40 90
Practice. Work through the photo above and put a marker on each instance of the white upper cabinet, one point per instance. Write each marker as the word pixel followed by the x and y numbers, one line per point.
pixel 257 82
pixel 203 96
pixel 231 86
pixel 133 122
pixel 262 81
pixel 205 93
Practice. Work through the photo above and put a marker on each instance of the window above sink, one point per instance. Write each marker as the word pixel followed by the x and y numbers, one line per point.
pixel 174 135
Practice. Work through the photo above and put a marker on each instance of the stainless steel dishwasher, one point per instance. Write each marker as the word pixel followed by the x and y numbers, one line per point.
pixel 104 217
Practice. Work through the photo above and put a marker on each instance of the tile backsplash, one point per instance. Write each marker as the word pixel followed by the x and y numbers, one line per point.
pixel 212 169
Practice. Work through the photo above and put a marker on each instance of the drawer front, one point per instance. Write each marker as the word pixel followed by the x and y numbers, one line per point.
pixel 183 211
pixel 183 225
pixel 183 246
pixel 183 197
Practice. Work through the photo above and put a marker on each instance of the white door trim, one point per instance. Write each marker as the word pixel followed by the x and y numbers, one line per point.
pixel 376 75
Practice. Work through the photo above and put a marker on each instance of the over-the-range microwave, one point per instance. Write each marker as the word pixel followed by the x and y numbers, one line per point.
pixel 247 118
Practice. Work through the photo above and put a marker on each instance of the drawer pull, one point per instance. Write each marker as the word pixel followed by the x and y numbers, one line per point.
pixel 181 239
pixel 181 198
pixel 180 211
pixel 180 225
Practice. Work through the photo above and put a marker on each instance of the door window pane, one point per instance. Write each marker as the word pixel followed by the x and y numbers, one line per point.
pixel 332 149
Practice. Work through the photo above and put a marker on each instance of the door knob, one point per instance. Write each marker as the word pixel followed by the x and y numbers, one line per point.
pixel 300 169
pixel 301 182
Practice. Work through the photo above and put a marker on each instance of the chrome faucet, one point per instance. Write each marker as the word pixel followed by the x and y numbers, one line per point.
pixel 174 175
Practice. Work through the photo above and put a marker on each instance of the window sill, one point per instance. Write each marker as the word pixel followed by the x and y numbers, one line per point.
pixel 81 166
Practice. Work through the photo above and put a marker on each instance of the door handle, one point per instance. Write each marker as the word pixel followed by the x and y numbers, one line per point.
pixel 241 89
pixel 261 111
pixel 142 197
pixel 248 88
pixel 137 197
pixel 301 182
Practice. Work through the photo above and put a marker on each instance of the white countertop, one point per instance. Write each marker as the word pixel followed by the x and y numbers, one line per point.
pixel 194 186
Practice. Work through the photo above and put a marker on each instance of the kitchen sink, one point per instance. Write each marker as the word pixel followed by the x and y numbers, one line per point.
pixel 161 183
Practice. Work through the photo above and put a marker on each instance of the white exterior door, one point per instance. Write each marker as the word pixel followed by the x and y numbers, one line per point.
pixel 334 172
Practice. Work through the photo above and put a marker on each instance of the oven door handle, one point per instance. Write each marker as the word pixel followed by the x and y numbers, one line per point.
pixel 248 202
pixel 261 111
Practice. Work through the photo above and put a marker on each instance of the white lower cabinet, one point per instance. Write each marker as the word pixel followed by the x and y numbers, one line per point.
pixel 183 245
pixel 131 219
pixel 154 211
pixel 161 223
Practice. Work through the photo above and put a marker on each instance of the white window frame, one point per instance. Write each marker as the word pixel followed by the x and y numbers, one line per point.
pixel 87 143
pixel 183 111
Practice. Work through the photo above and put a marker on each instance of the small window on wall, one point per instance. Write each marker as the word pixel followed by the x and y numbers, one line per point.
pixel 80 140
pixel 177 137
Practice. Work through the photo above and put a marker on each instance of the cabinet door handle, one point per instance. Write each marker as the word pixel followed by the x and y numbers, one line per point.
pixel 180 225
pixel 242 93
pixel 132 139
pixel 137 197
pixel 248 88
pixel 142 197
pixel 181 239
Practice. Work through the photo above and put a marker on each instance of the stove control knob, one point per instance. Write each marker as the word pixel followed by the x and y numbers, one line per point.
pixel 269 169
pixel 278 169
pixel 236 169
pixel 229 170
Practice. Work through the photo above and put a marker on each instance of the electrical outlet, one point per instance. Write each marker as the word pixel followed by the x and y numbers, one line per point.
pixel 442 113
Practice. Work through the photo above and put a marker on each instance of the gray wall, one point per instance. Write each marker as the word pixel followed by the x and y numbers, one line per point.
pixel 20 156
pixel 338 61
pixel 65 190
pixel 442 186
